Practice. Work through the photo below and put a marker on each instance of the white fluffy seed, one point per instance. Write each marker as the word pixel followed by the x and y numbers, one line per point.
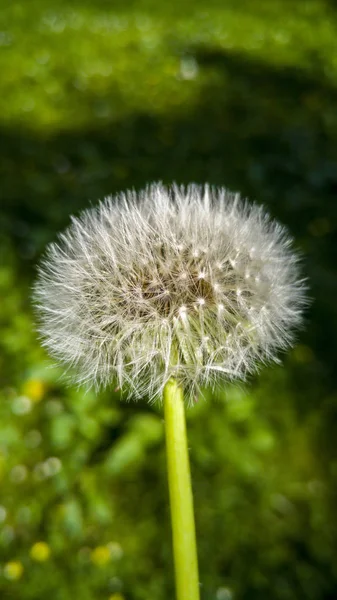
pixel 117 302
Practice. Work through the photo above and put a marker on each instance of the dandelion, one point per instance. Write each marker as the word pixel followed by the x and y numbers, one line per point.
pixel 40 552
pixel 100 555
pixel 162 293
pixel 13 570
pixel 192 283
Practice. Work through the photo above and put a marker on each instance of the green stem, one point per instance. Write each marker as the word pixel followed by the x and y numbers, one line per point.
pixel 181 499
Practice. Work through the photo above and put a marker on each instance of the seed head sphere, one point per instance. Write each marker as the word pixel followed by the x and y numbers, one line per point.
pixel 192 283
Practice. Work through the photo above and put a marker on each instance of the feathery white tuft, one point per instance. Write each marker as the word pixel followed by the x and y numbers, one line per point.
pixel 191 283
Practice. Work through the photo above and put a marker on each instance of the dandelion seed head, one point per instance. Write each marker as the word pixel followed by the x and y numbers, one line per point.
pixel 192 283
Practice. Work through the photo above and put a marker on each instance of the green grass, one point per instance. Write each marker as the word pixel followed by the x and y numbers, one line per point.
pixel 65 67
pixel 98 97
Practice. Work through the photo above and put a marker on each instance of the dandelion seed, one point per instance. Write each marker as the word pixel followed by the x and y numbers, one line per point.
pixel 119 296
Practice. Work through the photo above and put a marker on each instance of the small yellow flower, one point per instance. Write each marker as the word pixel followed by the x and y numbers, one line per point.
pixel 34 389
pixel 100 556
pixel 40 552
pixel 117 597
pixel 13 570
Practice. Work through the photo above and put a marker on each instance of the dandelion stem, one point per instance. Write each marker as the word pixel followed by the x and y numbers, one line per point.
pixel 181 499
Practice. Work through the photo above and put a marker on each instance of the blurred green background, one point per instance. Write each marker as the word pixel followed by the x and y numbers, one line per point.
pixel 100 96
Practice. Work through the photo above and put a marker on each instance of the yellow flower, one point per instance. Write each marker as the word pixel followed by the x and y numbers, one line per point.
pixel 40 551
pixel 117 597
pixel 34 389
pixel 13 570
pixel 100 556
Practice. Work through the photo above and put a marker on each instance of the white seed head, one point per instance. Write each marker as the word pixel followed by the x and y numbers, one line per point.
pixel 153 285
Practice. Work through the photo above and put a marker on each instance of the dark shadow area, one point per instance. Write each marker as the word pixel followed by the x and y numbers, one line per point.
pixel 271 133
